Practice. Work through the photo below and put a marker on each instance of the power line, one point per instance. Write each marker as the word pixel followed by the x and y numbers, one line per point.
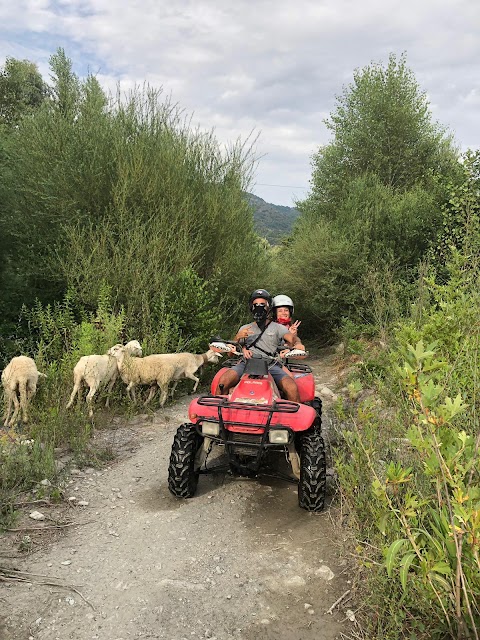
pixel 286 186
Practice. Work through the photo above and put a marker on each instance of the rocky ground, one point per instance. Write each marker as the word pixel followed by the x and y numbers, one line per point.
pixel 240 560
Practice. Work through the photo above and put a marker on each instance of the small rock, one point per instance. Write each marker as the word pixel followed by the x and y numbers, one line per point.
pixel 350 615
pixel 66 562
pixel 72 498
pixel 113 533
pixel 46 483
pixel 69 600
pixel 83 503
pixel 307 606
pixel 311 611
pixel 325 392
pixel 340 349
pixel 59 466
pixel 116 489
pixel 36 515
pixel 295 581
pixel 324 572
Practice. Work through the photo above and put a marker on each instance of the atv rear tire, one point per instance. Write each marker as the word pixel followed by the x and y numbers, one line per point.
pixel 182 471
pixel 313 472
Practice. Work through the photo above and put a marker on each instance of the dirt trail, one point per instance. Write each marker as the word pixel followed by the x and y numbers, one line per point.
pixel 240 560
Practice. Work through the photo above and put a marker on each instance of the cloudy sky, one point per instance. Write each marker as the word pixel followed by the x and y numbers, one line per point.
pixel 272 67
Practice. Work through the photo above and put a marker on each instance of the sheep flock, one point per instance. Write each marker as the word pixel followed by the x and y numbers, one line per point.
pixel 20 376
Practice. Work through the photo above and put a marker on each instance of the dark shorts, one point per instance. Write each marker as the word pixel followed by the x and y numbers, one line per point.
pixel 276 371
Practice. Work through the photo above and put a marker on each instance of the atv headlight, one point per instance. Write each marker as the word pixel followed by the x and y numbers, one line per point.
pixel 210 428
pixel 278 436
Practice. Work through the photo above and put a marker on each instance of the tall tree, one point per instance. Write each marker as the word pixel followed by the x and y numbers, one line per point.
pixel 22 93
pixel 65 84
pixel 382 125
pixel 22 90
pixel 125 193
pixel 378 184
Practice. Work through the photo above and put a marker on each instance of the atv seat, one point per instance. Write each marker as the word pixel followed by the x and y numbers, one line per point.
pixel 257 367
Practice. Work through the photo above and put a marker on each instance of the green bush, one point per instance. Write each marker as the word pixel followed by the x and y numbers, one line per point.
pixel 122 192
pixel 416 505
pixel 317 270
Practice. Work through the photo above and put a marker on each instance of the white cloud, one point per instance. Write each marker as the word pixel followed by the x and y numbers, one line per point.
pixel 273 66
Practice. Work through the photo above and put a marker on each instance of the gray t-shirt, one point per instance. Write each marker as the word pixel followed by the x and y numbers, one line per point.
pixel 272 337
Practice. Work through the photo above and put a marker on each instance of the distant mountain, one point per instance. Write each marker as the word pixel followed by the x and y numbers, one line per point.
pixel 272 221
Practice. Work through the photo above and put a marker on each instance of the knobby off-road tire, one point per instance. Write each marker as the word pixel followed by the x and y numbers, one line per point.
pixel 182 472
pixel 313 472
pixel 317 405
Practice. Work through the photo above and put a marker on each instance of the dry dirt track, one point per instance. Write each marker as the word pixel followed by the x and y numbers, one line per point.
pixel 240 560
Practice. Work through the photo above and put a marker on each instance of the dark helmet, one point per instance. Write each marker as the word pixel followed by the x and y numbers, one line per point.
pixel 260 293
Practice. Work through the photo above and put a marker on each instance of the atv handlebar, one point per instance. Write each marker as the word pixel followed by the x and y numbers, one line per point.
pixel 229 346
pixel 226 346
pixel 296 353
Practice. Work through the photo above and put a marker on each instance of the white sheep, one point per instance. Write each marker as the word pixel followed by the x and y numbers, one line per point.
pixel 19 380
pixel 98 370
pixel 159 370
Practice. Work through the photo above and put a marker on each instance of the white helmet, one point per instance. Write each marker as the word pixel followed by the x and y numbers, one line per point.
pixel 283 301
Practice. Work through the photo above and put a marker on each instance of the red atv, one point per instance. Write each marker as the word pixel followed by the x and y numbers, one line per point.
pixel 250 423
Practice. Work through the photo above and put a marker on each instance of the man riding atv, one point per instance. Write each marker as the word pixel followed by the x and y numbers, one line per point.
pixel 251 423
pixel 260 339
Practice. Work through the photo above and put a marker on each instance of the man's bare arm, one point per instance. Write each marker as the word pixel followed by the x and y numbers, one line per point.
pixel 293 342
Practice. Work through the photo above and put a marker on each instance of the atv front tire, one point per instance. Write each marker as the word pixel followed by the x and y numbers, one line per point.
pixel 182 471
pixel 313 472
